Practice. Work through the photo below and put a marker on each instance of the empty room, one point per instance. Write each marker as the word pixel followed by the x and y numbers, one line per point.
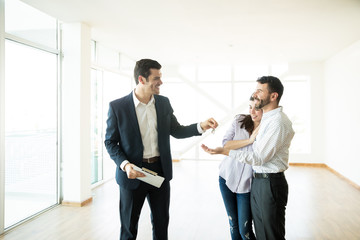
pixel 162 119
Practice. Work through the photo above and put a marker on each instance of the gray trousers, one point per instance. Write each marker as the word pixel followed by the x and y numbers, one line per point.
pixel 268 202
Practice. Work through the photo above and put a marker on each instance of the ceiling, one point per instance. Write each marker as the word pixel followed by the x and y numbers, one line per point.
pixel 216 31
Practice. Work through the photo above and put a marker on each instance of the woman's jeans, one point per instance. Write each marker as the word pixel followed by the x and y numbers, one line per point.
pixel 239 212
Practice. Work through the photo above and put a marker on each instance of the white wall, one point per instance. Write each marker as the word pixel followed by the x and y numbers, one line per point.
pixel 75 127
pixel 342 114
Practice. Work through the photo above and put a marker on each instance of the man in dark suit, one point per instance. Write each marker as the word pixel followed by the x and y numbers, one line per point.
pixel 138 133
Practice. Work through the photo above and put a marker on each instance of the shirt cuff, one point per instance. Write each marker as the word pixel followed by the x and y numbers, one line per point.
pixel 122 166
pixel 200 129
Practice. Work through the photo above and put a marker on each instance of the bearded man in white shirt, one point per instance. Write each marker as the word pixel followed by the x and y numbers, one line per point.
pixel 269 190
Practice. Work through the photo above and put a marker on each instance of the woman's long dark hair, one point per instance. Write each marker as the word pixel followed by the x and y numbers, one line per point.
pixel 246 121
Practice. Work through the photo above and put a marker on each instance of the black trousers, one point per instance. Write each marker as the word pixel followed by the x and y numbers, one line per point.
pixel 132 201
pixel 268 202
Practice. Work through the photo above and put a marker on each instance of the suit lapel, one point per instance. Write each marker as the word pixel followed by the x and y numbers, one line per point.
pixel 132 115
pixel 159 113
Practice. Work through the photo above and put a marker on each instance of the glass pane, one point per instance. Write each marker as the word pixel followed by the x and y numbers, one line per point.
pixel 127 65
pixel 197 107
pixel 219 93
pixel 189 72
pixel 93 51
pixel 107 57
pixel 96 126
pixel 242 93
pixel 29 23
pixel 30 131
pixel 185 110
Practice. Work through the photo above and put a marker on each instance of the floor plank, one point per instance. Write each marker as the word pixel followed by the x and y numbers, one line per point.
pixel 321 206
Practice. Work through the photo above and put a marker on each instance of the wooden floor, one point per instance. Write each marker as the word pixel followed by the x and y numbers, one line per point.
pixel 321 206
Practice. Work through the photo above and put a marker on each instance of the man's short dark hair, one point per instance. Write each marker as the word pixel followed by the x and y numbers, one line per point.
pixel 274 85
pixel 142 68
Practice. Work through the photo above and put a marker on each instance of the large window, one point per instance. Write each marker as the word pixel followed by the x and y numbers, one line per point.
pixel 296 102
pixel 198 93
pixel 30 131
pixel 31 70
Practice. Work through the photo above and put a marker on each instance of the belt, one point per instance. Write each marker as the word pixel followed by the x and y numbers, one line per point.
pixel 151 160
pixel 268 175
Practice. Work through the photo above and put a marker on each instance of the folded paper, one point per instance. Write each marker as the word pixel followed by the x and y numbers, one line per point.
pixel 150 177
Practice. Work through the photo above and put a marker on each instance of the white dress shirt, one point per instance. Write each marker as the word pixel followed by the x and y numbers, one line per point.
pixel 147 120
pixel 271 147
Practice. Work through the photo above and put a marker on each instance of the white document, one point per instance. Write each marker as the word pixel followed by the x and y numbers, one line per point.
pixel 150 177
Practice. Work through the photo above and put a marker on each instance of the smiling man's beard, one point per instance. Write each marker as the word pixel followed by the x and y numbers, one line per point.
pixel 262 103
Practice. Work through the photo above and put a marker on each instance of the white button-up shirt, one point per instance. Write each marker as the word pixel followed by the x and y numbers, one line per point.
pixel 271 147
pixel 147 119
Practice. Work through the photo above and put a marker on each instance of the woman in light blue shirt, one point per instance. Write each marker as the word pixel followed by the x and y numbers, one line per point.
pixel 235 177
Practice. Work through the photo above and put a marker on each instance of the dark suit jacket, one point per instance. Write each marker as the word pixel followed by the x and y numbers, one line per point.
pixel 123 138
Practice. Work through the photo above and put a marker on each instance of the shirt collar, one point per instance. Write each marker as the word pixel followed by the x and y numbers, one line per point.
pixel 272 112
pixel 137 102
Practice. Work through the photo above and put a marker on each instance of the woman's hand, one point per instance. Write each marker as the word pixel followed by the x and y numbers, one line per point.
pixel 218 150
pixel 254 134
